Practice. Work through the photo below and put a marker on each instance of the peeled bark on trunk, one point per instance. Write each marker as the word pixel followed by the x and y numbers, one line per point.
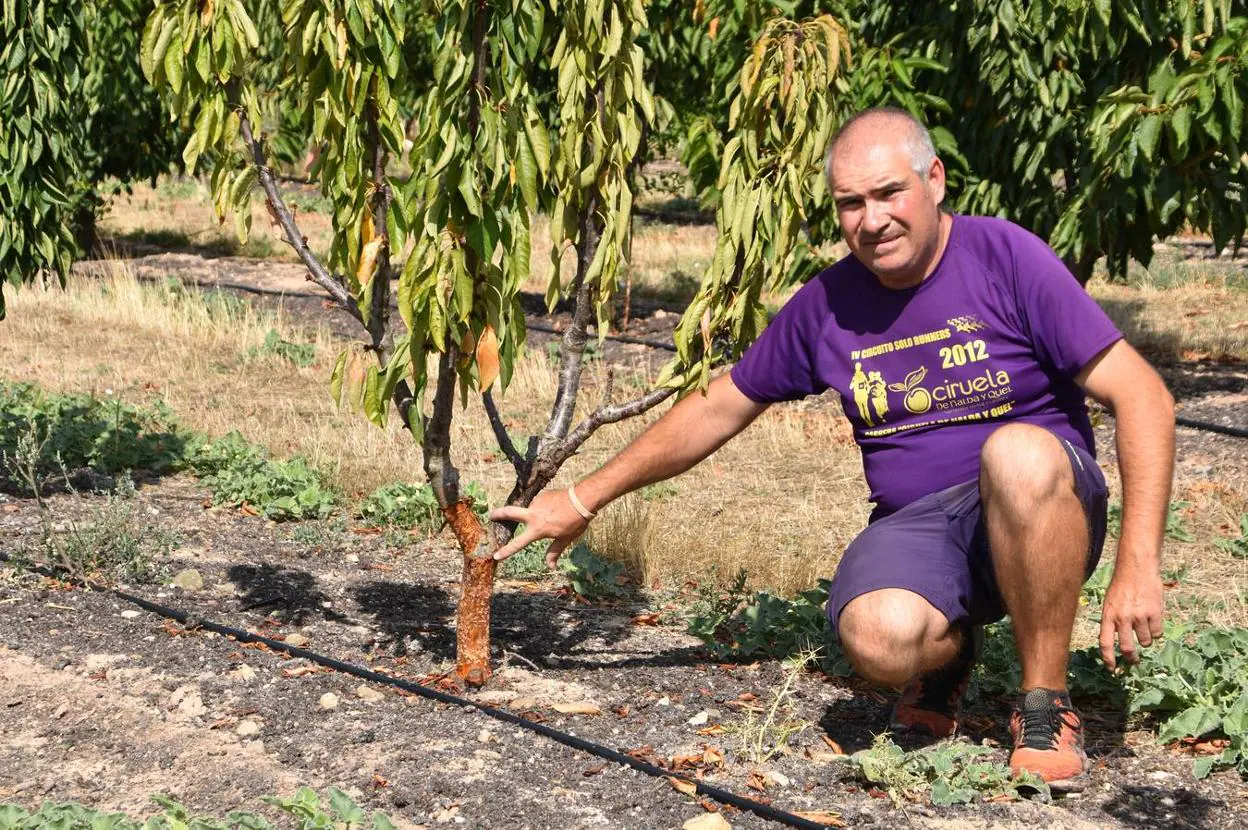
pixel 472 628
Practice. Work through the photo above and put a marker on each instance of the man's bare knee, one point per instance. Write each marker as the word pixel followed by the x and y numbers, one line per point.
pixel 884 634
pixel 1024 466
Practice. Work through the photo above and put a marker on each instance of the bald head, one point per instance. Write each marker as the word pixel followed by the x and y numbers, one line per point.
pixel 884 125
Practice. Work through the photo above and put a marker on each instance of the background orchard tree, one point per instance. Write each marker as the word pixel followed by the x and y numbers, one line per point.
pixel 455 230
pixel 77 122
pixel 44 181
pixel 1100 126
pixel 128 131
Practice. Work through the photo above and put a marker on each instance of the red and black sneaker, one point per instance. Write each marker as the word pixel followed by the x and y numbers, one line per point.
pixel 1048 740
pixel 932 704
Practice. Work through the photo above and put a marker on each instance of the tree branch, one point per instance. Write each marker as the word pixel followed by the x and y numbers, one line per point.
pixel 501 435
pixel 317 272
pixel 608 414
pixel 379 305
pixel 574 337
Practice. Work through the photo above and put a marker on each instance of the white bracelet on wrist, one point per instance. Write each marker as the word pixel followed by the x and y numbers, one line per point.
pixel 585 512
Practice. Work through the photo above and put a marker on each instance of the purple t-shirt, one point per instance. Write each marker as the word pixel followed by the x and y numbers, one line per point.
pixel 996 333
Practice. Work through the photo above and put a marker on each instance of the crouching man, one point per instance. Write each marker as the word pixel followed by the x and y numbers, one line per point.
pixel 962 350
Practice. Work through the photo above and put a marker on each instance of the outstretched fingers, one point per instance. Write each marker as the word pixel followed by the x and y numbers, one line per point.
pixel 514 513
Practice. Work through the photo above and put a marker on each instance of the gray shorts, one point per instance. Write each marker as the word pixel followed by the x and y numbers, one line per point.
pixel 937 547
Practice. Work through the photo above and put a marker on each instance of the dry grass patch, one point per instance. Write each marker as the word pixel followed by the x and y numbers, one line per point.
pixel 178 213
pixel 1181 309
pixel 781 500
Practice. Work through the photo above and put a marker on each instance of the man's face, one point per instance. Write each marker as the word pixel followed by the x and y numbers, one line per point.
pixel 890 215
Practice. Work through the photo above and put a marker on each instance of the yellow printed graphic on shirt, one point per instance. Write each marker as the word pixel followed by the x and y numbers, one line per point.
pixel 986 393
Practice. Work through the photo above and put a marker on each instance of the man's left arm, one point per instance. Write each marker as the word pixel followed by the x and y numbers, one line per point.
pixel 1119 378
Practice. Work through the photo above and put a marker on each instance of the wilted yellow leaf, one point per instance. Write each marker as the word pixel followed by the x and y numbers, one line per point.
pixel 368 261
pixel 487 358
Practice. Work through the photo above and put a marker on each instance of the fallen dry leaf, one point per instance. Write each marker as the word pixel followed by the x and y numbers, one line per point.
pixel 833 745
pixel 684 761
pixel 683 786
pixel 712 731
pixel 594 770
pixel 302 671
pixel 822 817
pixel 757 781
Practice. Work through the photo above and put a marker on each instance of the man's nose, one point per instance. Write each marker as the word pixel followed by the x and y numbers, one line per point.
pixel 875 217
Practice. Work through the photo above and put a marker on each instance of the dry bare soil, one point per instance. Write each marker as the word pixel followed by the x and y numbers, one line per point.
pixel 104 704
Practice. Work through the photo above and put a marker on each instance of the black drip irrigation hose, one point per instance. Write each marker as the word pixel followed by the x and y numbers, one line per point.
pixel 1234 432
pixel 758 808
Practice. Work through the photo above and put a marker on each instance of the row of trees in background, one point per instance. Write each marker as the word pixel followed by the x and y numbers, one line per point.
pixel 443 127
pixel 1100 126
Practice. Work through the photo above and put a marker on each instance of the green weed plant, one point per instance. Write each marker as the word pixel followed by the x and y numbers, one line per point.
pixel 952 772
pixel 1196 686
pixel 240 473
pixel 591 576
pixel 1176 525
pixel 1237 547
pixel 414 506
pixel 736 624
pixel 85 432
pixel 302 355
pixel 303 811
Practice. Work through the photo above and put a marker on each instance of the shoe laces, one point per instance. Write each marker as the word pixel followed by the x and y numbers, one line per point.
pixel 1042 724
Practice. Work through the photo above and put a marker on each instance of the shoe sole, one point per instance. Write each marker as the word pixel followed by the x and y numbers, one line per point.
pixel 1075 784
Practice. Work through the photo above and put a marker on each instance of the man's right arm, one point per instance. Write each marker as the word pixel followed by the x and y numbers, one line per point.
pixel 689 432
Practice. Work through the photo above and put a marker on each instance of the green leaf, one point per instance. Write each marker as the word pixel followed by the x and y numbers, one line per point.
pixel 336 378
pixel 345 807
pixel 173 62
pixel 1193 722
pixel 1149 132
pixel 1181 126
pixel 526 173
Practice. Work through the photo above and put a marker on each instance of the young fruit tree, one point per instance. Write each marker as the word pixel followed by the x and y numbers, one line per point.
pixel 445 231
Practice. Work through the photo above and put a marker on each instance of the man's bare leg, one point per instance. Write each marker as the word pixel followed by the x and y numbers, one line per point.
pixel 892 636
pixel 1038 535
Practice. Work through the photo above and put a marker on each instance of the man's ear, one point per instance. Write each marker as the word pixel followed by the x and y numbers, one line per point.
pixel 936 180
